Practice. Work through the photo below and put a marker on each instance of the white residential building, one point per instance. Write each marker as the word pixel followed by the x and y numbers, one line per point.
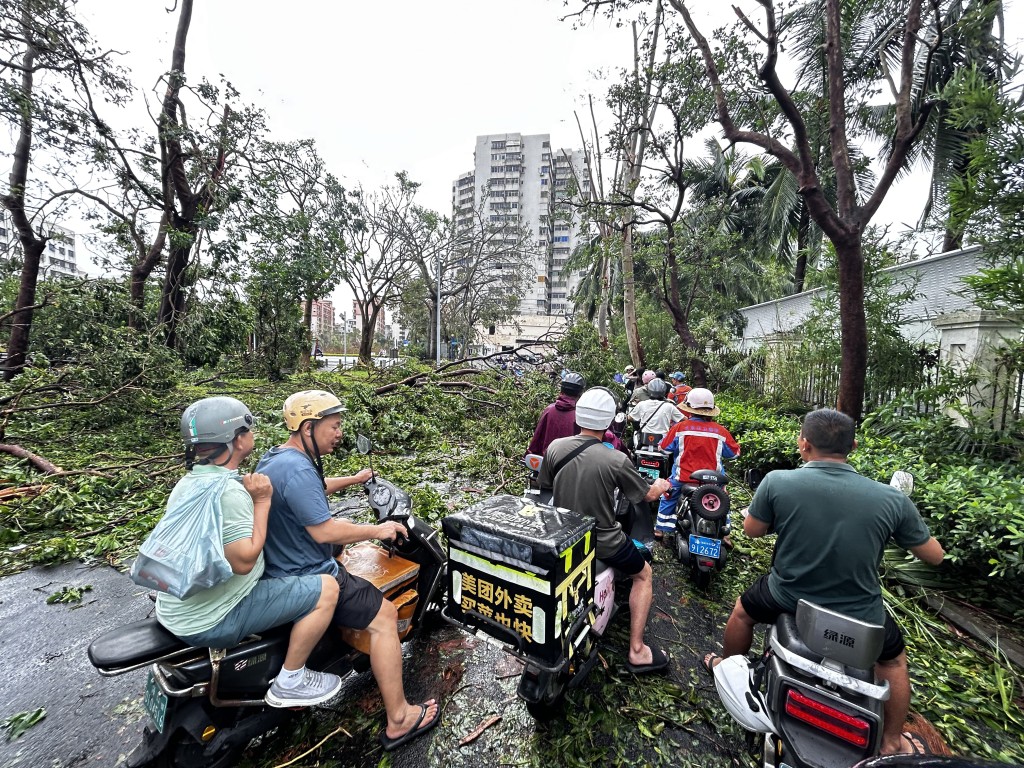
pixel 58 258
pixel 522 180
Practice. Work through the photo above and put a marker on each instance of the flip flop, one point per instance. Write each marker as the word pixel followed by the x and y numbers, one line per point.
pixel 918 746
pixel 709 662
pixel 418 729
pixel 659 662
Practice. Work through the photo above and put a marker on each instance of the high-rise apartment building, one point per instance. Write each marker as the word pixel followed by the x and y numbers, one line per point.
pixel 321 317
pixel 521 180
pixel 58 258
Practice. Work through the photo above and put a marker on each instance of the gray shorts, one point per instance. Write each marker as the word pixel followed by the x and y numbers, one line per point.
pixel 271 603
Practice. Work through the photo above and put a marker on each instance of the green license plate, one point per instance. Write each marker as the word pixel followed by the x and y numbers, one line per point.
pixel 155 702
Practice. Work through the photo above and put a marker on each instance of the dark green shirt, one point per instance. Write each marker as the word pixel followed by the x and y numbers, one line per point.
pixel 833 525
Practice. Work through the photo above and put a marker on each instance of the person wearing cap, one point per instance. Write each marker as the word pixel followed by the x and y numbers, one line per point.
pixel 678 392
pixel 584 475
pixel 218 436
pixel 640 393
pixel 302 536
pixel 559 418
pixel 697 442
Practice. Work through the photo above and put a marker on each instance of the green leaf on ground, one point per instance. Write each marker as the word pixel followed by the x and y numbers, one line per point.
pixel 17 724
pixel 68 594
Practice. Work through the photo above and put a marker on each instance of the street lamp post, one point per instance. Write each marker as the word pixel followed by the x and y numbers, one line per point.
pixel 344 331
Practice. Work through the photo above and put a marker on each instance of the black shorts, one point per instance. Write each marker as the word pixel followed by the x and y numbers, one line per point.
pixel 358 601
pixel 759 604
pixel 627 560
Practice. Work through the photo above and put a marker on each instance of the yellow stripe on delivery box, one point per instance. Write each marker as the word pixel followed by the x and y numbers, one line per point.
pixel 511 575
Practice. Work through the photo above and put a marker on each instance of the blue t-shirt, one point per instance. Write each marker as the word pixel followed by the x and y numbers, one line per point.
pixel 298 501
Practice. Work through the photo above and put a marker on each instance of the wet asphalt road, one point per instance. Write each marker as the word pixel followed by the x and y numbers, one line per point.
pixel 95 721
pixel 90 720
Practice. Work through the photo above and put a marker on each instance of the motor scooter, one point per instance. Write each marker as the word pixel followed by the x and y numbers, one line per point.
pixel 812 692
pixel 701 523
pixel 505 541
pixel 206 704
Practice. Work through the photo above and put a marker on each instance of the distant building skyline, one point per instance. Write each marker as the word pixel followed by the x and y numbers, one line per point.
pixel 58 258
pixel 519 179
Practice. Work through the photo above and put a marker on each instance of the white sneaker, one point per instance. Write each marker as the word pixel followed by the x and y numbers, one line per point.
pixel 315 688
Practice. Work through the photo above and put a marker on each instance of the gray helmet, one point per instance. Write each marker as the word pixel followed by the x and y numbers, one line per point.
pixel 214 420
pixel 573 384
pixel 657 389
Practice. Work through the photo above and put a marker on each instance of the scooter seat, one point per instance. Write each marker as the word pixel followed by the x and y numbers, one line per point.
pixel 789 636
pixel 133 645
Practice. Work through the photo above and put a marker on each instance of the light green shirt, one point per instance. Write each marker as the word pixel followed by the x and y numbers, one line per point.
pixel 207 609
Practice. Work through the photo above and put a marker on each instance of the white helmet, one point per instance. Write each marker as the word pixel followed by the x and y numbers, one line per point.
pixel 732 679
pixel 595 409
pixel 701 402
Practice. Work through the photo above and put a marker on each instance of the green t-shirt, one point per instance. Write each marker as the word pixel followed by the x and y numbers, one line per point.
pixel 207 609
pixel 833 525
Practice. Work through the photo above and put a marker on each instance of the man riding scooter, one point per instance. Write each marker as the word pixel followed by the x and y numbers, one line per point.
pixel 584 474
pixel 833 526
pixel 698 442
pixel 656 415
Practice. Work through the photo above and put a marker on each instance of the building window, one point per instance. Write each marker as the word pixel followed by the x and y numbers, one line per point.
pixel 543 182
pixel 546 145
pixel 497 145
pixel 544 194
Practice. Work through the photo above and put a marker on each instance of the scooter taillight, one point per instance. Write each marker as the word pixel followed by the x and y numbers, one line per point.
pixel 853 730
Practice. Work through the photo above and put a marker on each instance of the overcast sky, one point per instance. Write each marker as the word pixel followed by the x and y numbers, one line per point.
pixel 404 84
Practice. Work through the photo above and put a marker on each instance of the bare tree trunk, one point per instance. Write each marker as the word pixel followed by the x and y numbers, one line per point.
pixel 800 271
pixel 172 302
pixel 307 323
pixel 681 313
pixel 31 245
pixel 606 284
pixel 141 271
pixel 636 349
pixel 366 345
pixel 854 335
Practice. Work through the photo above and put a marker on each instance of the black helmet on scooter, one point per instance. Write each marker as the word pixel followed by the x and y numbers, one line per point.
pixel 573 384
pixel 657 389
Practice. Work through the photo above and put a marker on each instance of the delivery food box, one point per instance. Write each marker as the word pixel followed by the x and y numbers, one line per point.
pixel 521 566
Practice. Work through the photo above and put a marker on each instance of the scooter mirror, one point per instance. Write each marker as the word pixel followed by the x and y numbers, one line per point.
pixel 363 444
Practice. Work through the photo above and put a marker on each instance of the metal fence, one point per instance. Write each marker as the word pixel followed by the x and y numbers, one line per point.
pixel 999 395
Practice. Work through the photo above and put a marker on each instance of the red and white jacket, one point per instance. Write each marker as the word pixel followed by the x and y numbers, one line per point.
pixel 698 443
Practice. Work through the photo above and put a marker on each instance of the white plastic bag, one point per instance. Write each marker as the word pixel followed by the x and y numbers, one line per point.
pixel 184 554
